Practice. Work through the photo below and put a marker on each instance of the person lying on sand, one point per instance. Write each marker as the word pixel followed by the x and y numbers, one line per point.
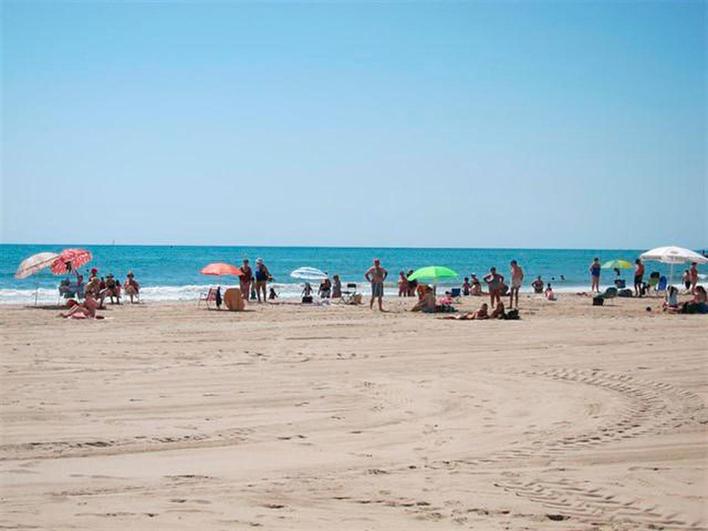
pixel 498 312
pixel 85 310
pixel 481 314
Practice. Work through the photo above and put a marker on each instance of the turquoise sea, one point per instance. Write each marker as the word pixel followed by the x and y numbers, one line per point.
pixel 172 272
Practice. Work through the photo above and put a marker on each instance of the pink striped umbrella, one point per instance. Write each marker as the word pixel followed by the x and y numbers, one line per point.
pixel 70 260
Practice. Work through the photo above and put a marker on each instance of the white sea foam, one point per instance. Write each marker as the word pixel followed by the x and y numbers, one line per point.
pixel 287 291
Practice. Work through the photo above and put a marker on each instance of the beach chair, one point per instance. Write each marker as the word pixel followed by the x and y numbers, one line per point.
pixel 653 281
pixel 456 293
pixel 207 297
pixel 350 295
pixel 662 285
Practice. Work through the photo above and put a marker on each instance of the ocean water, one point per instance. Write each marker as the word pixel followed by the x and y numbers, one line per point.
pixel 172 272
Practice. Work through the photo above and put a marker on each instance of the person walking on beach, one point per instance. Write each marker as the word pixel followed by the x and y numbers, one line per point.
pixel 262 278
pixel 494 282
pixel 517 279
pixel 376 275
pixel 245 279
pixel 638 277
pixel 595 275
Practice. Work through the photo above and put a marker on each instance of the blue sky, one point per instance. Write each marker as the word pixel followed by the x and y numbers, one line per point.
pixel 465 124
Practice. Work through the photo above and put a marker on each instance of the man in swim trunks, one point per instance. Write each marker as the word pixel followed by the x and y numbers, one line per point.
pixel 595 275
pixel 376 275
pixel 517 279
pixel 638 277
pixel 537 285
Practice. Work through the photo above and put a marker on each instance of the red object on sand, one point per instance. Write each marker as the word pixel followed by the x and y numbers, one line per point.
pixel 221 269
pixel 70 260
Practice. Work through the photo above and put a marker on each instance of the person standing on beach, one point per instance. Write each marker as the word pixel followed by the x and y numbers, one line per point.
pixel 494 282
pixel 638 277
pixel 517 279
pixel 376 275
pixel 402 284
pixel 693 276
pixel 262 278
pixel 245 279
pixel 595 275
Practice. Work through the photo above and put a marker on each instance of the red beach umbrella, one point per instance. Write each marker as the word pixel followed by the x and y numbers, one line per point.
pixel 70 260
pixel 221 269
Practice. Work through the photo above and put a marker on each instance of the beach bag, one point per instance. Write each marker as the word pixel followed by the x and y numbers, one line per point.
pixel 512 315
pixel 307 299
pixel 598 300
pixel 625 293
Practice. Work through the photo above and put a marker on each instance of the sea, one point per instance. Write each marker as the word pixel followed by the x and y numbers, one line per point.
pixel 171 273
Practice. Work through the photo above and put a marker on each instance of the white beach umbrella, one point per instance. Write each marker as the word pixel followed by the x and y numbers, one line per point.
pixel 673 255
pixel 34 264
pixel 308 273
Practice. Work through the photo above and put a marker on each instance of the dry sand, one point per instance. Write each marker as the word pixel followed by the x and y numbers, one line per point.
pixel 167 416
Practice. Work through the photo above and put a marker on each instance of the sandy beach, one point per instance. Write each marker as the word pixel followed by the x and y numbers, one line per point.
pixel 168 416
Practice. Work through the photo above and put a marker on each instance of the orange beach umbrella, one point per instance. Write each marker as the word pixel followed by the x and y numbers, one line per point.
pixel 221 269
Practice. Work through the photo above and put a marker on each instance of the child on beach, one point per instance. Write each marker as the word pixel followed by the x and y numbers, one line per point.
pixel 336 287
pixel 402 284
pixel 307 293
pixel 549 293
pixel 466 286
pixel 272 295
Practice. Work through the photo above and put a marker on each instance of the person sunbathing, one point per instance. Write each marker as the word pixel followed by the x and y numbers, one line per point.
pixel 498 312
pixel 82 311
pixel 479 315
pixel 426 300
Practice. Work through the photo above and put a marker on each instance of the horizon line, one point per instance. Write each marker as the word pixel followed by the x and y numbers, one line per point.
pixel 452 248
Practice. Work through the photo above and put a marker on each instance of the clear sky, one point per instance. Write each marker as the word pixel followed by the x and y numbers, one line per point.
pixel 508 124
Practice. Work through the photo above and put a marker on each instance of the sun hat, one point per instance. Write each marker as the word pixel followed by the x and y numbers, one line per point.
pixel 259 261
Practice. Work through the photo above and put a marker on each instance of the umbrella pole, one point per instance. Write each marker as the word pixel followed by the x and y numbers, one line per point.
pixel 36 293
pixel 671 274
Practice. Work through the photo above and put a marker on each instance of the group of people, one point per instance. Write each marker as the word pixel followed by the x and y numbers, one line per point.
pixel 496 285
pixel 698 304
pixel 254 283
pixel 85 298
pixel 689 278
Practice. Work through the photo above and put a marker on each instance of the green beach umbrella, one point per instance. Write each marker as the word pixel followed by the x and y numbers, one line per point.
pixel 432 273
pixel 617 264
